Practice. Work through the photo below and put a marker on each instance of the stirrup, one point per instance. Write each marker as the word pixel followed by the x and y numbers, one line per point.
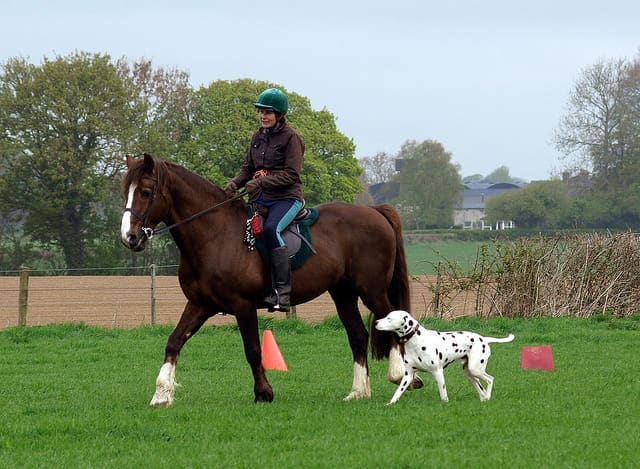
pixel 280 308
pixel 272 308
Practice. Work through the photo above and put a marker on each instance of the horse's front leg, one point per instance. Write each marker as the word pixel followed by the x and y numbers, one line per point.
pixel 193 317
pixel 248 324
pixel 346 302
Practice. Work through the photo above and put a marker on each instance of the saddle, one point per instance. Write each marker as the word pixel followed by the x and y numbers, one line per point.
pixel 297 237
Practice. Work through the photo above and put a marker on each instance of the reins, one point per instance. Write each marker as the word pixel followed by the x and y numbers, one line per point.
pixel 150 232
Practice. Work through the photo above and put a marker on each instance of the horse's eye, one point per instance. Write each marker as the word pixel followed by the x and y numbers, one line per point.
pixel 146 193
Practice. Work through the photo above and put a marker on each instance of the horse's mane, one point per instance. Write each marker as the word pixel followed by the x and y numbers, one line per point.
pixel 162 168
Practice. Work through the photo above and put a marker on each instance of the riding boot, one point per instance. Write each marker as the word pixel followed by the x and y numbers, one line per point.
pixel 280 295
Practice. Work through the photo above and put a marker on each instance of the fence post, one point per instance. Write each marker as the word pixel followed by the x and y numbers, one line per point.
pixel 153 294
pixel 291 314
pixel 23 298
pixel 436 294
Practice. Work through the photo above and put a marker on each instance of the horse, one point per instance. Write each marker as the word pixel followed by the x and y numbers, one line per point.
pixel 359 253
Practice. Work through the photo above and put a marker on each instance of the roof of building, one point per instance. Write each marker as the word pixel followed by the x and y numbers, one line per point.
pixel 475 194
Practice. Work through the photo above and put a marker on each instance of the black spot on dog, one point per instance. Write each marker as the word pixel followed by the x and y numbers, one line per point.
pixel 411 323
pixel 406 361
pixel 472 339
pixel 419 358
pixel 406 373
pixel 440 355
pixel 454 344
pixel 482 361
pixel 418 332
pixel 424 348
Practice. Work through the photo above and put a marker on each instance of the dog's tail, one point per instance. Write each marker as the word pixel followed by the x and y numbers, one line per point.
pixel 508 338
pixel 398 292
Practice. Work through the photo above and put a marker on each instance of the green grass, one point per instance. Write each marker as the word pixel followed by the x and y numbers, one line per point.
pixel 422 258
pixel 77 396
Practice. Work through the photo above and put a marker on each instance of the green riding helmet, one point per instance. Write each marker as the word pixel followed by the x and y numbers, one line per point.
pixel 274 100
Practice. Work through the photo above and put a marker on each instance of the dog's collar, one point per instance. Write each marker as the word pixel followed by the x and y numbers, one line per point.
pixel 407 337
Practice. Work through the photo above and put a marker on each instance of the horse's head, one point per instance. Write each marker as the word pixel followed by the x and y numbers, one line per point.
pixel 146 203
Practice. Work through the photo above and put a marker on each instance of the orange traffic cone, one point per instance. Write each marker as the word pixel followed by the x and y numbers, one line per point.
pixel 271 357
pixel 537 358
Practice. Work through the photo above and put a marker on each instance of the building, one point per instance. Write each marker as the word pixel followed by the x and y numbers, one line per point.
pixel 471 215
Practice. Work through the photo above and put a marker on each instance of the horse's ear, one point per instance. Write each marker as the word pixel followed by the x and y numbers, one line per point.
pixel 130 160
pixel 148 162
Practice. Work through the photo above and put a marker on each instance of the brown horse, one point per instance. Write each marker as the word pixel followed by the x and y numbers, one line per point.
pixel 359 253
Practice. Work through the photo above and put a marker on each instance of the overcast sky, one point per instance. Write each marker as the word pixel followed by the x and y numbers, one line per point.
pixel 487 79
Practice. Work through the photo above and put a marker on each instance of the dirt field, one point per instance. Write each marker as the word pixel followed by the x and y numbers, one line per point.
pixel 125 302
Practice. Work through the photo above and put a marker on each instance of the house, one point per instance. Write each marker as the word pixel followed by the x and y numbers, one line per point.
pixel 470 213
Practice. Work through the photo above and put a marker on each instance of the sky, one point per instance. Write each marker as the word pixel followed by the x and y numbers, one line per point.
pixel 489 80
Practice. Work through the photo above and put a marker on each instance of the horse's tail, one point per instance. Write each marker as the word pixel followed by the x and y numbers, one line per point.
pixel 399 295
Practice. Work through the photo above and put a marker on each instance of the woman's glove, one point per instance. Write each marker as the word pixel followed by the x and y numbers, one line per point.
pixel 253 187
pixel 231 188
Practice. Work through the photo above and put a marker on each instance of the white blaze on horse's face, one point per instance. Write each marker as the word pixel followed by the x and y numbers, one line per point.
pixel 125 224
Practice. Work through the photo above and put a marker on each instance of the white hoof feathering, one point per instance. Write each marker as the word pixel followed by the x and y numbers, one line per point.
pixel 396 365
pixel 361 388
pixel 165 386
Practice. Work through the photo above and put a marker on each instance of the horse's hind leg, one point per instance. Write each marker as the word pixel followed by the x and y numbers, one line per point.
pixel 347 305
pixel 248 324
pixel 193 317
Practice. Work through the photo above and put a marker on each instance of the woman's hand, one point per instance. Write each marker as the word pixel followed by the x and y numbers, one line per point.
pixel 253 187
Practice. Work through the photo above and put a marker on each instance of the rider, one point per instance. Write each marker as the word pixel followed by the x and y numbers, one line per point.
pixel 271 175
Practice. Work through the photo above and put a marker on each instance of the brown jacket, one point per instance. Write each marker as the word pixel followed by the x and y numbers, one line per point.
pixel 280 151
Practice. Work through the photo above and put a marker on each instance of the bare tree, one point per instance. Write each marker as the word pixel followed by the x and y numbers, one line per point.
pixel 594 131
pixel 378 168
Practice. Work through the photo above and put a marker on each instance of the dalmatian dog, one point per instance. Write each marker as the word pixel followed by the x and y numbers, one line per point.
pixel 433 351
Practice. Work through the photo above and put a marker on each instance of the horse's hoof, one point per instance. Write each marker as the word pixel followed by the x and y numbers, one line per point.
pixel 356 395
pixel 416 384
pixel 160 403
pixel 263 397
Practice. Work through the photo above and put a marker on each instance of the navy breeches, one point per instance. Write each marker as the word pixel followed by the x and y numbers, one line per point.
pixel 281 213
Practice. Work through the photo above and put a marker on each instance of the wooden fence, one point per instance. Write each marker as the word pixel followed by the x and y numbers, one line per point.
pixel 131 301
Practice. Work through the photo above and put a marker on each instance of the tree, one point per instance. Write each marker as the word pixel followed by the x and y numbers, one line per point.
pixel 162 103
pixel 430 185
pixel 224 119
pixel 68 123
pixel 539 205
pixel 378 168
pixel 601 126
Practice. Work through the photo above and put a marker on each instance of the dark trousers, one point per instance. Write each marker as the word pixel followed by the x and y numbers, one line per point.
pixel 281 213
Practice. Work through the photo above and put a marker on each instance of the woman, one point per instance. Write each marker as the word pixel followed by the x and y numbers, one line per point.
pixel 271 175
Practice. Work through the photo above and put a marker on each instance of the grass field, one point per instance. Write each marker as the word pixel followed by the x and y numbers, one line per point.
pixel 76 396
pixel 422 258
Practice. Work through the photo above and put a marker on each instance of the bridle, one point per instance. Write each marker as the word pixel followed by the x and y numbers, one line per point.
pixel 150 232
